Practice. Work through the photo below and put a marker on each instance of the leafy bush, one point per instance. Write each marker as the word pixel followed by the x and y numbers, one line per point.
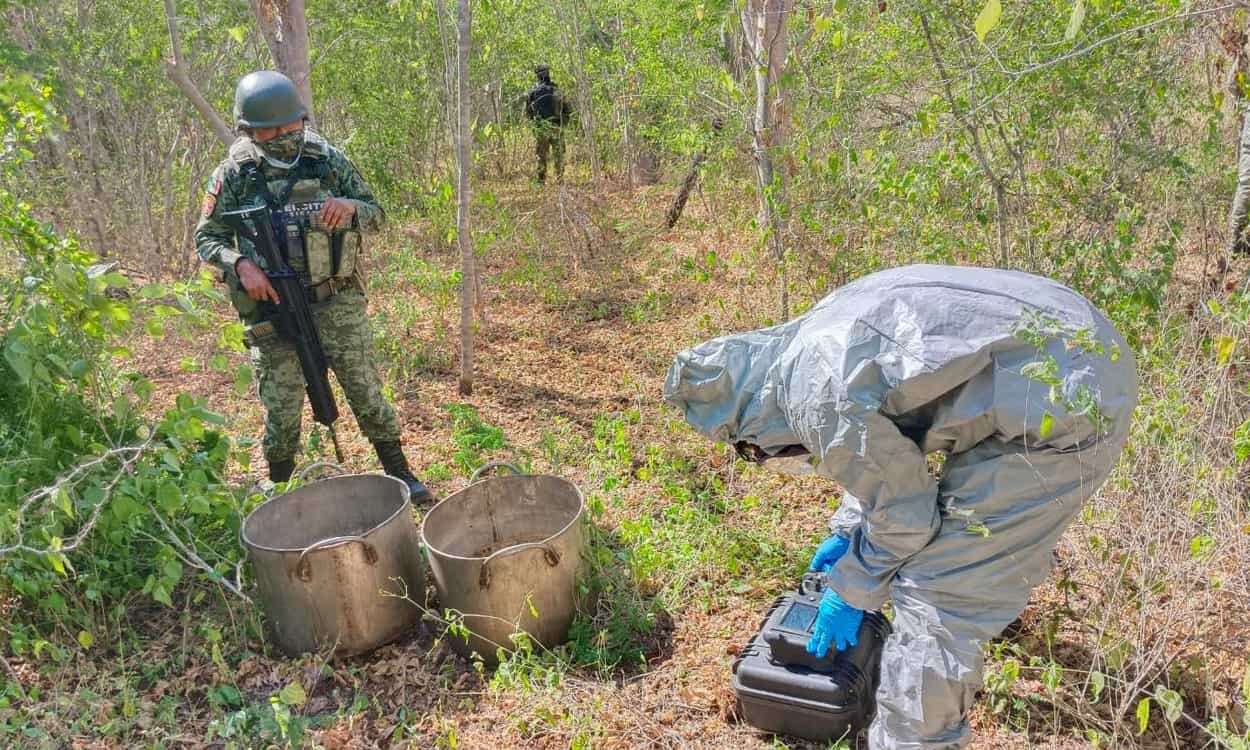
pixel 97 499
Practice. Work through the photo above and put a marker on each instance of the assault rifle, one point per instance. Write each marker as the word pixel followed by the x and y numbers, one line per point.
pixel 291 316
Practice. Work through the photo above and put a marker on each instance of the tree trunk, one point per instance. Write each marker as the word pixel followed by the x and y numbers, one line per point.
pixel 585 110
pixel 285 28
pixel 687 185
pixel 764 25
pixel 690 182
pixel 176 69
pixel 468 280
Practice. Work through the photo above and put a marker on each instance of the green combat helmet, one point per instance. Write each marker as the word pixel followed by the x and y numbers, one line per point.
pixel 266 99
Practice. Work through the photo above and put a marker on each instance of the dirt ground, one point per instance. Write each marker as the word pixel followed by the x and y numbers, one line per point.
pixel 584 332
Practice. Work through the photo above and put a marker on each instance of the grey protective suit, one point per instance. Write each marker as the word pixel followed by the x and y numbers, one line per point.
pixel 907 362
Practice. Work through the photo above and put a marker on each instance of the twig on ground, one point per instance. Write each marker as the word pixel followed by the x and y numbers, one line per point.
pixel 131 454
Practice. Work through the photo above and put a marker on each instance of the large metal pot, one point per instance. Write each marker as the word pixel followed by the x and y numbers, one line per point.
pixel 333 559
pixel 505 553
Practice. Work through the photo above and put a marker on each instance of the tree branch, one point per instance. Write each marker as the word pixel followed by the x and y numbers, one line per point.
pixel 995 181
pixel 176 71
pixel 1118 35
pixel 130 454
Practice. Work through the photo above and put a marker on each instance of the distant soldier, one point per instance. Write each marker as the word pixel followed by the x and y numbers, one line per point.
pixel 549 112
pixel 279 162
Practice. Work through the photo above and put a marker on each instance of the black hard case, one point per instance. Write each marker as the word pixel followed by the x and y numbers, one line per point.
pixel 834 700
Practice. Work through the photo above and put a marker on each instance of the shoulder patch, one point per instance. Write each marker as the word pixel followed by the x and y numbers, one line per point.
pixel 210 195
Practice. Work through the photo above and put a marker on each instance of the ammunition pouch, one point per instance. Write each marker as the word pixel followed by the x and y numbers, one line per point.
pixel 316 253
pixel 260 335
pixel 330 287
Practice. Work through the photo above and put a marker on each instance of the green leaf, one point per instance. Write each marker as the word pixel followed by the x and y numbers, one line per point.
pixel 1044 371
pixel 160 594
pixel 1225 346
pixel 64 502
pixel 169 498
pixel 1201 547
pixel 1048 425
pixel 1052 676
pixel 119 314
pixel 242 379
pixel 1011 671
pixel 154 327
pixel 237 33
pixel 1143 715
pixel 56 559
pixel 1171 702
pixel 988 18
pixel 124 507
pixel 198 505
pixel 1075 20
pixel 219 661
pixel 1097 683
pixel 19 359
pixel 86 639
pixel 293 694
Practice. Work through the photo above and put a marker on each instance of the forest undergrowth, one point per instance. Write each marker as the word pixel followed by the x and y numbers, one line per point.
pixel 1092 141
pixel 1138 640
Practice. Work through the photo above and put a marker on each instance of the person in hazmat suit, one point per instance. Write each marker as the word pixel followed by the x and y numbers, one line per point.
pixel 1020 382
pixel 279 162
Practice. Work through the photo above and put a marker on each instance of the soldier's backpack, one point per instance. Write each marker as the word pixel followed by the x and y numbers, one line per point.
pixel 547 103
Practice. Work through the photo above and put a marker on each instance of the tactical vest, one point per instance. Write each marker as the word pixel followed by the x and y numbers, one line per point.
pixel 316 253
pixel 545 101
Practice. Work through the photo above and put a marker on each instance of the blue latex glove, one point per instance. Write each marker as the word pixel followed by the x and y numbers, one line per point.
pixel 836 623
pixel 829 552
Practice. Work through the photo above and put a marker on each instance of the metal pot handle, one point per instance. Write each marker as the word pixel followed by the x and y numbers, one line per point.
pixel 303 568
pixel 320 465
pixel 550 554
pixel 495 465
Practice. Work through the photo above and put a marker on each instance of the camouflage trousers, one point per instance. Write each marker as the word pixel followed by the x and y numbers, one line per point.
pixel 347 340
pixel 549 139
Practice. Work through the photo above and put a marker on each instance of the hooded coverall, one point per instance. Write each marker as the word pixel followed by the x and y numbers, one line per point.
pixel 1022 383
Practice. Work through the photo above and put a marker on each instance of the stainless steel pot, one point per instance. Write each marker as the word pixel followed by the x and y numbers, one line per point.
pixel 505 553
pixel 332 561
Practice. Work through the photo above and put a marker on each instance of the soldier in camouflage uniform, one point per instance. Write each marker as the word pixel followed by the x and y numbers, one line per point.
pixel 300 169
pixel 549 112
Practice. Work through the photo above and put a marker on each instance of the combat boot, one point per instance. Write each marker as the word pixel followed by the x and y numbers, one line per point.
pixel 395 464
pixel 280 471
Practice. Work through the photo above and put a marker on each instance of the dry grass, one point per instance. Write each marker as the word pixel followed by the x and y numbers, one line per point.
pixel 578 334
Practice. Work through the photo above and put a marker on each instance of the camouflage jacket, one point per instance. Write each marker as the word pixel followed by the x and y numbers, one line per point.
pixel 227 190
